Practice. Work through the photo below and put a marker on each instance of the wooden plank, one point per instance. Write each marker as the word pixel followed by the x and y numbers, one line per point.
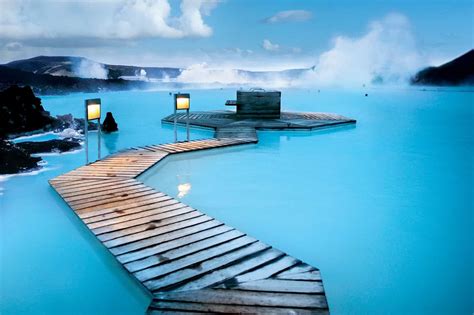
pixel 103 185
pixel 223 274
pixel 73 177
pixel 119 209
pixel 76 182
pixel 173 254
pixel 187 214
pixel 309 276
pixel 159 239
pixel 237 297
pixel 277 285
pixel 131 213
pixel 203 262
pixel 297 269
pixel 119 201
pixel 100 188
pixel 181 239
pixel 268 270
pixel 99 202
pixel 154 232
pixel 159 306
pixel 159 214
pixel 112 191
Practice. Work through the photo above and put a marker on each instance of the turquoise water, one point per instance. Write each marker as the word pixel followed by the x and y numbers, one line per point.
pixel 384 208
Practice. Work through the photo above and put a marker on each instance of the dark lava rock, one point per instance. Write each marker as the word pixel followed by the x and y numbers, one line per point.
pixel 68 121
pixel 109 124
pixel 14 159
pixel 55 146
pixel 459 71
pixel 21 111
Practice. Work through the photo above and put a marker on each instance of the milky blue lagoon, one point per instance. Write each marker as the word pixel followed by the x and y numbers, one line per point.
pixel 383 208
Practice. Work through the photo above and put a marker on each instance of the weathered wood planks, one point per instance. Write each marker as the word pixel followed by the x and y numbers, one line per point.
pixel 191 262
pixel 228 120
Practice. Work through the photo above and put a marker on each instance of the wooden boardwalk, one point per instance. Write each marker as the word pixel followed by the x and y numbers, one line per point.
pixel 189 261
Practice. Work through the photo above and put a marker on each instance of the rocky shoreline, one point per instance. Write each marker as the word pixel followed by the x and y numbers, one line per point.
pixel 21 114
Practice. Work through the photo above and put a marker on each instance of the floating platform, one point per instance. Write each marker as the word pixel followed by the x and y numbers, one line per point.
pixel 188 261
pixel 287 120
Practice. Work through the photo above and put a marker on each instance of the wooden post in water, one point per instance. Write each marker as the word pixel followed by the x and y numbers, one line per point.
pixel 86 133
pixel 98 137
pixel 187 123
pixel 175 124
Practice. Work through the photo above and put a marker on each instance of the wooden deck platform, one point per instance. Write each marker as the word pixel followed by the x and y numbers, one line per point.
pixel 189 261
pixel 287 120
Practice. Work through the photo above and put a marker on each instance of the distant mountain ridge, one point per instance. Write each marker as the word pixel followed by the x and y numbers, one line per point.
pixel 72 66
pixel 66 74
pixel 82 67
pixel 459 71
pixel 49 84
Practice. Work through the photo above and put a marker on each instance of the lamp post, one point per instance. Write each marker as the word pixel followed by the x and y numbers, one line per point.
pixel 182 101
pixel 92 107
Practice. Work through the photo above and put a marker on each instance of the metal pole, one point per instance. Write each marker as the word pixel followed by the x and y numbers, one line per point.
pixel 187 123
pixel 98 137
pixel 85 134
pixel 175 123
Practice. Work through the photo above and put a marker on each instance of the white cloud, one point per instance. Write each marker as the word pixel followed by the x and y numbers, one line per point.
pixel 125 19
pixel 269 46
pixel 273 47
pixel 290 16
pixel 387 51
pixel 191 21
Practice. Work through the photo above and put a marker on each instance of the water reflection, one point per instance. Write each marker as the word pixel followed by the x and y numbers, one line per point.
pixel 183 189
pixel 110 140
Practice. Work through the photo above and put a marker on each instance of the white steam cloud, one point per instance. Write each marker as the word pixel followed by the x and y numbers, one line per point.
pixel 201 74
pixel 386 53
pixel 91 69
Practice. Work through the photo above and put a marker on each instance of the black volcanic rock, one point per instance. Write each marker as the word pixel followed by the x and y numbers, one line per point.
pixel 55 146
pixel 109 124
pixel 459 71
pixel 14 159
pixel 21 111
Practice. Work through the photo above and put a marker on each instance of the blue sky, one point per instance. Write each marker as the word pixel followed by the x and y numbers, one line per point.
pixel 230 33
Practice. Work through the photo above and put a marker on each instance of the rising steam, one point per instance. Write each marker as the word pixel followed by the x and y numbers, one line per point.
pixel 90 69
pixel 386 53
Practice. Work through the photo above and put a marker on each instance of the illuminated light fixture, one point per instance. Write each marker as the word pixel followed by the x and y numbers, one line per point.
pixel 92 113
pixel 93 109
pixel 182 101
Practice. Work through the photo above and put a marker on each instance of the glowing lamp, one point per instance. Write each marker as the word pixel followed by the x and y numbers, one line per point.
pixel 92 113
pixel 182 101
pixel 93 109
